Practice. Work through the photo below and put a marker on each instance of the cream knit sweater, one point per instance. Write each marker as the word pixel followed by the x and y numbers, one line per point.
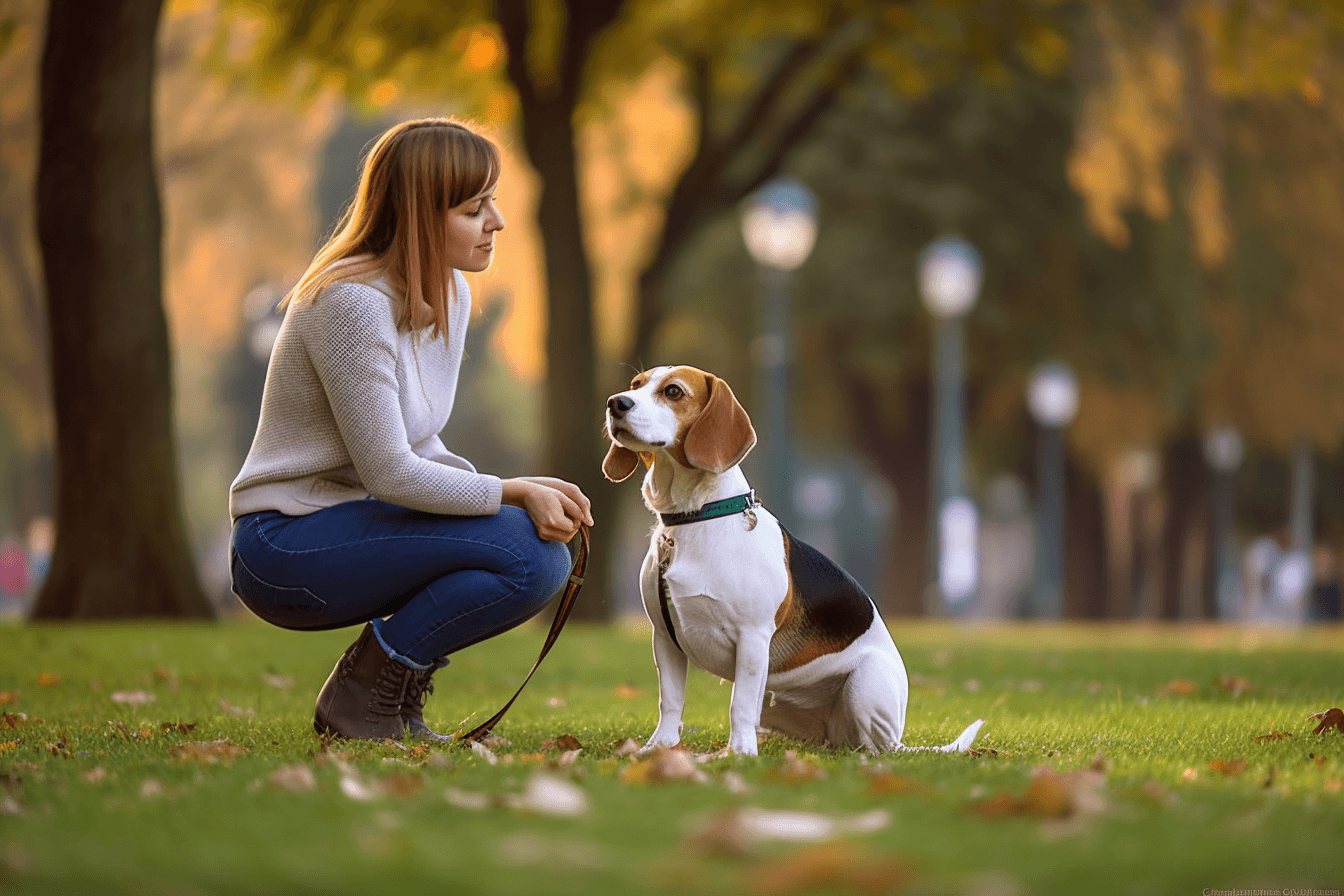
pixel 353 408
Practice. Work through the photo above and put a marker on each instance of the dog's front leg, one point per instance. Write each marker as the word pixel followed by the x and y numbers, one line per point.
pixel 750 671
pixel 671 663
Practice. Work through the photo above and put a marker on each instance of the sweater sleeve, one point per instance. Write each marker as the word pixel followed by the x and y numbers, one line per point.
pixel 352 342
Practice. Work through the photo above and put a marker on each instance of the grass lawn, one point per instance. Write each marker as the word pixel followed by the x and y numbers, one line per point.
pixel 1160 781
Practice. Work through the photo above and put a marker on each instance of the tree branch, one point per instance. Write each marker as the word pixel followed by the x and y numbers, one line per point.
pixel 515 26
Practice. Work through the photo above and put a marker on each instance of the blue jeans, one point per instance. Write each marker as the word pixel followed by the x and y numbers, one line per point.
pixel 442 582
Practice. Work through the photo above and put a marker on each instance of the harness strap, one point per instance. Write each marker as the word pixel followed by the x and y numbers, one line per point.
pixel 567 601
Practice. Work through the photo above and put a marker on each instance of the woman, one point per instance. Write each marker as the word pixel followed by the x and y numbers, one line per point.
pixel 349 508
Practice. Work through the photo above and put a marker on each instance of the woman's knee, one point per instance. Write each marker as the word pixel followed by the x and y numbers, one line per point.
pixel 544 566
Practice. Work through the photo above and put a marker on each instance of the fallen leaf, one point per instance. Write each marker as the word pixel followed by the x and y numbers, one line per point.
pixel 96 775
pixel 292 777
pixel 360 789
pixel 830 867
pixel 402 783
pixel 150 788
pixel 627 691
pixel 555 702
pixel 987 751
pixel 179 727
pixel 549 795
pixel 734 783
pixel 484 752
pixel 13 719
pixel 494 741
pixel 133 698
pixel 885 783
pixel 235 710
pixel 800 827
pixel 1051 794
pixel 9 697
pixel 1228 767
pixel 464 799
pixel 282 682
pixel 563 742
pixel 1334 785
pixel 661 766
pixel 1189 774
pixel 1273 735
pixel 795 770
pixel 627 747
pixel 1234 685
pixel 1330 719
pixel 48 680
pixel 1319 760
pixel 569 757
pixel 1180 687
pixel 207 752
pixel 7 745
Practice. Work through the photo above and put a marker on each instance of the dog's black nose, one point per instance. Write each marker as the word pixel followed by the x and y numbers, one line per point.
pixel 619 404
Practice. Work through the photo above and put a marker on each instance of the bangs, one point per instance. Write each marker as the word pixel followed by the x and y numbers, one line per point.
pixel 473 167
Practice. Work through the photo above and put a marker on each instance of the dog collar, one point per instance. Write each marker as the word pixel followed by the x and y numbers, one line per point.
pixel 713 510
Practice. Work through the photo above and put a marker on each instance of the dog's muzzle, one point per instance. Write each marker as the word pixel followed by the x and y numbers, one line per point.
pixel 619 405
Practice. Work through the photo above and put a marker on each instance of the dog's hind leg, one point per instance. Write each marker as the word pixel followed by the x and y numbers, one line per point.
pixel 869 712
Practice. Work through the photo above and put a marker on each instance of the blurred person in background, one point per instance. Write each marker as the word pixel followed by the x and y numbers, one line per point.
pixel 349 508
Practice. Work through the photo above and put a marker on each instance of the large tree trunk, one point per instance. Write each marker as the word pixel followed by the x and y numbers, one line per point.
pixel 573 403
pixel 121 546
pixel 1185 481
pixel 1085 556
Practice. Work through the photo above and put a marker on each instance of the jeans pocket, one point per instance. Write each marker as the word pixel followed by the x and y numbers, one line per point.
pixel 293 607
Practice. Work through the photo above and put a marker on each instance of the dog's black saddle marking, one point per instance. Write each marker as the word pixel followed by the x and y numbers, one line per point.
pixel 825 611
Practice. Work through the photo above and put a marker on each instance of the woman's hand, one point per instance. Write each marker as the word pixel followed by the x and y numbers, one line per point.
pixel 557 508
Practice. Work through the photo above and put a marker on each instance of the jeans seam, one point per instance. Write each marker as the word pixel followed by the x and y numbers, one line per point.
pixel 518 586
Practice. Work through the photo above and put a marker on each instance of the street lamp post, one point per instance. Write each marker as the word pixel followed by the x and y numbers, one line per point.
pixel 1052 398
pixel 1223 450
pixel 779 226
pixel 949 284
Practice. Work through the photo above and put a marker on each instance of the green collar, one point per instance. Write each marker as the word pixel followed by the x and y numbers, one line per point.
pixel 713 510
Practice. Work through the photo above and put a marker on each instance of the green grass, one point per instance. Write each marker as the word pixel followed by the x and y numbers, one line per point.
pixel 1058 697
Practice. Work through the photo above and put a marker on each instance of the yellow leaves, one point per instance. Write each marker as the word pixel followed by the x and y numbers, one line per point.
pixel 8 698
pixel 627 692
pixel 1051 795
pixel 207 752
pixel 1179 687
pixel 1228 768
pixel 481 49
pixel 833 867
pixel 1330 720
pixel 7 745
pixel 662 766
pixel 48 680
pixel 795 770
pixel 884 783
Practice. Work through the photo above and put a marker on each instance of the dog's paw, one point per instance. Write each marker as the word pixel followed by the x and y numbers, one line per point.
pixel 658 743
pixel 742 746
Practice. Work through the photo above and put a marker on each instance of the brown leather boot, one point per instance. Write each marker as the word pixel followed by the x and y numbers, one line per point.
pixel 418 689
pixel 363 696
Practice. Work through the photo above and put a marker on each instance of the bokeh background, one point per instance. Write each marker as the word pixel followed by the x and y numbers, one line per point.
pixel 1146 202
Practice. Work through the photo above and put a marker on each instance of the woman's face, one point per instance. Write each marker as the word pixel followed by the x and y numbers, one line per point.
pixel 471 231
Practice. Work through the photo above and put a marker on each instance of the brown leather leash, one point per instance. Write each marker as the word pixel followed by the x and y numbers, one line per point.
pixel 567 601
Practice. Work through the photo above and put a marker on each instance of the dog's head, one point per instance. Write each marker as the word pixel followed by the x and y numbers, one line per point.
pixel 687 413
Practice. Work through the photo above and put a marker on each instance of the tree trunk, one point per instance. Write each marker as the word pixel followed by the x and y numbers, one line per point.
pixel 1185 481
pixel 121 546
pixel 1085 557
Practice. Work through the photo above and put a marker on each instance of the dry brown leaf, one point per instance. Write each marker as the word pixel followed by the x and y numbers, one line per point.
pixel 1273 735
pixel 1189 774
pixel 1228 767
pixel 836 866
pixel 1050 795
pixel 13 719
pixel 179 727
pixel 96 775
pixel 1330 719
pixel 150 788
pixel 548 795
pixel 987 751
pixel 207 752
pixel 402 783
pixel 627 747
pixel 1319 760
pixel 1234 685
pixel 292 777
pixel 1179 687
pixel 235 710
pixel 1334 785
pixel 885 783
pixel 795 770
pixel 661 766
pixel 48 680
pixel 9 697
pixel 627 691
pixel 563 742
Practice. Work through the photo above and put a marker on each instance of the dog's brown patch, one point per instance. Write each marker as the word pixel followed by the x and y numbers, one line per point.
pixel 819 614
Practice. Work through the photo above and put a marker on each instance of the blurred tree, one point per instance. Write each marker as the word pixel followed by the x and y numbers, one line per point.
pixel 121 547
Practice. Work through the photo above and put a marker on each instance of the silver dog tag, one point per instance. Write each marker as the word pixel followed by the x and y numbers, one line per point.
pixel 750 516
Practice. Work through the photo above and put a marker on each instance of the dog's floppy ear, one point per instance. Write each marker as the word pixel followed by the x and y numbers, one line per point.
pixel 722 435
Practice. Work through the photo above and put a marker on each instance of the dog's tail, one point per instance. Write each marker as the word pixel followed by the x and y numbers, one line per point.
pixel 960 745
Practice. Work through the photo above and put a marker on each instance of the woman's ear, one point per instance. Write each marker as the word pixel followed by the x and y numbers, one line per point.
pixel 722 435
pixel 619 463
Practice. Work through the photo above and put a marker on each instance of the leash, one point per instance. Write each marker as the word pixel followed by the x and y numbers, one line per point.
pixel 567 601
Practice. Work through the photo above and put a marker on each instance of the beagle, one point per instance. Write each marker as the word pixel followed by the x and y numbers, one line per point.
pixel 727 587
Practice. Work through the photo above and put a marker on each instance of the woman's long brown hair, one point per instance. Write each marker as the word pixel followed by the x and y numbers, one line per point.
pixel 397 224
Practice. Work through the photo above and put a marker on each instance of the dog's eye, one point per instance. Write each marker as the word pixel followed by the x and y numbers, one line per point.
pixel 674 392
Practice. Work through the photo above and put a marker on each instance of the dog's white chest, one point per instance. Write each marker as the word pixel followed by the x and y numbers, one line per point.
pixel 712 583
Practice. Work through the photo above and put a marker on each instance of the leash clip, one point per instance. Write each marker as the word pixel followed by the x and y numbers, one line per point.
pixel 749 512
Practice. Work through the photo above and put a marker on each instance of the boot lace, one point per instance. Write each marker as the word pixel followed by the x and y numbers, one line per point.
pixel 389 689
